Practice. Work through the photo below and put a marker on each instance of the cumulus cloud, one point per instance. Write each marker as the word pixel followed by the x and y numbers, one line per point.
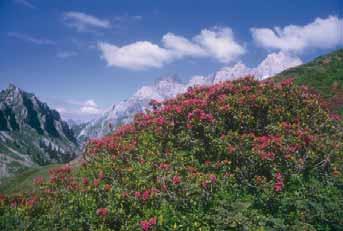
pixel 136 56
pixel 90 110
pixel 31 39
pixel 217 43
pixel 321 33
pixel 220 44
pixel 90 107
pixel 182 46
pixel 84 22
pixel 77 110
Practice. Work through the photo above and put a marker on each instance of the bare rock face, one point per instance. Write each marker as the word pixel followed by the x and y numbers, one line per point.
pixel 31 133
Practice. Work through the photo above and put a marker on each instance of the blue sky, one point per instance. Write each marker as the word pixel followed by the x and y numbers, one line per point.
pixel 85 54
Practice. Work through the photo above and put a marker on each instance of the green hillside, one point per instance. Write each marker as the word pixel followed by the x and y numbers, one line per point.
pixel 240 155
pixel 24 181
pixel 324 74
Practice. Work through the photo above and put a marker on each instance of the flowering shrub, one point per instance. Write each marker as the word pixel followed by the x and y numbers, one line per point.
pixel 240 155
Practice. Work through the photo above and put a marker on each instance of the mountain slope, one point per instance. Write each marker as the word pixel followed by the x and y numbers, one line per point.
pixel 169 86
pixel 240 155
pixel 22 182
pixel 324 74
pixel 31 133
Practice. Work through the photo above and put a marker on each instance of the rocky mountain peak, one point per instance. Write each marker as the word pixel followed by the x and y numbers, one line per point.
pixel 31 131
pixel 12 87
pixel 275 63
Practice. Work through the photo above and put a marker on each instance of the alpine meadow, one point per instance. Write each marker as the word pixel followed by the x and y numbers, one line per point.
pixel 180 115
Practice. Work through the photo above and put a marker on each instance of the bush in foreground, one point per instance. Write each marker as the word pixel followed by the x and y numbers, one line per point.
pixel 241 155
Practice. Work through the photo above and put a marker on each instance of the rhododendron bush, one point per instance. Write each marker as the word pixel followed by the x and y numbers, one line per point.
pixel 241 155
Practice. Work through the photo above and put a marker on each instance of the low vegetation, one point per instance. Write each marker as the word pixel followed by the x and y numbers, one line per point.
pixel 241 155
pixel 23 182
pixel 324 75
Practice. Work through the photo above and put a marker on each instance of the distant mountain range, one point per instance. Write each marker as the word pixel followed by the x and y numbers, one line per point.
pixel 31 134
pixel 170 86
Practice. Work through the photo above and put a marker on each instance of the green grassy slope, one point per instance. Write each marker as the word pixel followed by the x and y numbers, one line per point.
pixel 324 74
pixel 24 181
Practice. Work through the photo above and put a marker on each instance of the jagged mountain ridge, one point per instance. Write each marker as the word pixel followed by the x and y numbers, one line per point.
pixel 123 112
pixel 31 133
pixel 170 86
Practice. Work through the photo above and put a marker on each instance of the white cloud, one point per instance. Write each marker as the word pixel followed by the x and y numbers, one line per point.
pixel 83 22
pixel 31 39
pixel 66 54
pixel 217 43
pixel 90 107
pixel 136 56
pixel 90 103
pixel 25 3
pixel 78 109
pixel 90 110
pixel 182 46
pixel 321 33
pixel 220 44
pixel 75 109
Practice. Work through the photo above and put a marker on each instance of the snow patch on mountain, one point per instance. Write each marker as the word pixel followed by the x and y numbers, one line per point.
pixel 124 111
pixel 273 64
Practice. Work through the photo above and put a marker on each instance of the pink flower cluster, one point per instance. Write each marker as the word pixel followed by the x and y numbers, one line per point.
pixel 148 224
pixel 102 212
pixel 278 186
pixel 146 194
pixel 265 141
pixel 201 115
pixel 176 180
pixel 212 180
pixel 164 166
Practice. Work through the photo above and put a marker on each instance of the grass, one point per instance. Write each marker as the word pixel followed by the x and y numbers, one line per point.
pixel 324 75
pixel 23 182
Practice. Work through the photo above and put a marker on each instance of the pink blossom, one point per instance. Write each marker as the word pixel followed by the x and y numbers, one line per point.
pixel 85 181
pixel 146 195
pixel 163 166
pixel 176 180
pixel 335 117
pixel 96 182
pixel 278 186
pixel 102 212
pixel 213 179
pixel 137 195
pixel 147 224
